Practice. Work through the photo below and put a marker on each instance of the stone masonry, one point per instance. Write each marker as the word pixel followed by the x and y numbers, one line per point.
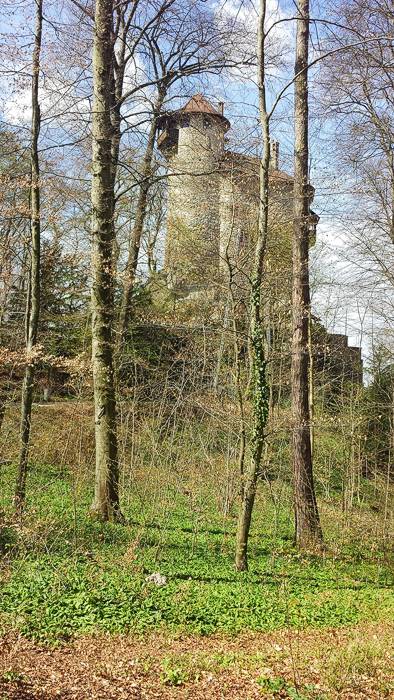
pixel 213 205
pixel 213 197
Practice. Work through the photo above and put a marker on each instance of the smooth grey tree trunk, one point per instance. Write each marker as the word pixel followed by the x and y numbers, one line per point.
pixel 307 524
pixel 105 505
pixel 33 297
pixel 259 385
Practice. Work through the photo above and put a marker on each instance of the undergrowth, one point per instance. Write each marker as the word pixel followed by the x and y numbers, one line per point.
pixel 64 574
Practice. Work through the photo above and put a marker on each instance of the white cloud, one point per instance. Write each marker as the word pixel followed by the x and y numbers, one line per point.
pixel 17 108
pixel 280 38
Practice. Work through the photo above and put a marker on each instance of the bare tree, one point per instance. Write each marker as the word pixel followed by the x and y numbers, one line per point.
pixel 188 42
pixel 259 385
pixel 33 298
pixel 140 215
pixel 106 497
pixel 307 524
pixel 356 90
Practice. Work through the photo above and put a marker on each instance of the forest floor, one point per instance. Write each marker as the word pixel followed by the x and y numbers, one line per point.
pixel 355 663
pixel 80 617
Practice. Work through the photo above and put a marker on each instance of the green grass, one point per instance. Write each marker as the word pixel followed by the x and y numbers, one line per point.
pixel 64 574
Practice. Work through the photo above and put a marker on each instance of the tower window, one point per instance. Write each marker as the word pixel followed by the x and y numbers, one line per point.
pixel 185 122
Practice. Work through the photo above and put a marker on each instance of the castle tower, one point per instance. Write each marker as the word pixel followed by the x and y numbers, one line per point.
pixel 192 141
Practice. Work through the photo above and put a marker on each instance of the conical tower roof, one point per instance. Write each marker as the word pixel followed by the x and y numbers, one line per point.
pixel 198 104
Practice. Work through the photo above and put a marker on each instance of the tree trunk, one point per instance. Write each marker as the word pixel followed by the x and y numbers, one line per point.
pixel 3 408
pixel 311 370
pixel 307 524
pixel 140 215
pixel 105 505
pixel 392 194
pixel 259 385
pixel 33 300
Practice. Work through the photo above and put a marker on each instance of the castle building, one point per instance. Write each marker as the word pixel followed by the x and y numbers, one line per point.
pixel 212 220
pixel 213 199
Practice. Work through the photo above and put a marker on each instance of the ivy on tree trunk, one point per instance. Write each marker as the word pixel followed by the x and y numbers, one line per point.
pixel 259 384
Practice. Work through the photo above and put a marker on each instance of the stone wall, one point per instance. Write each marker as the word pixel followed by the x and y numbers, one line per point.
pixel 239 213
pixel 192 243
pixel 213 209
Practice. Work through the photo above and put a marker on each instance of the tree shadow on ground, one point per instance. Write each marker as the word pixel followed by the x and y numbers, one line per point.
pixel 186 529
